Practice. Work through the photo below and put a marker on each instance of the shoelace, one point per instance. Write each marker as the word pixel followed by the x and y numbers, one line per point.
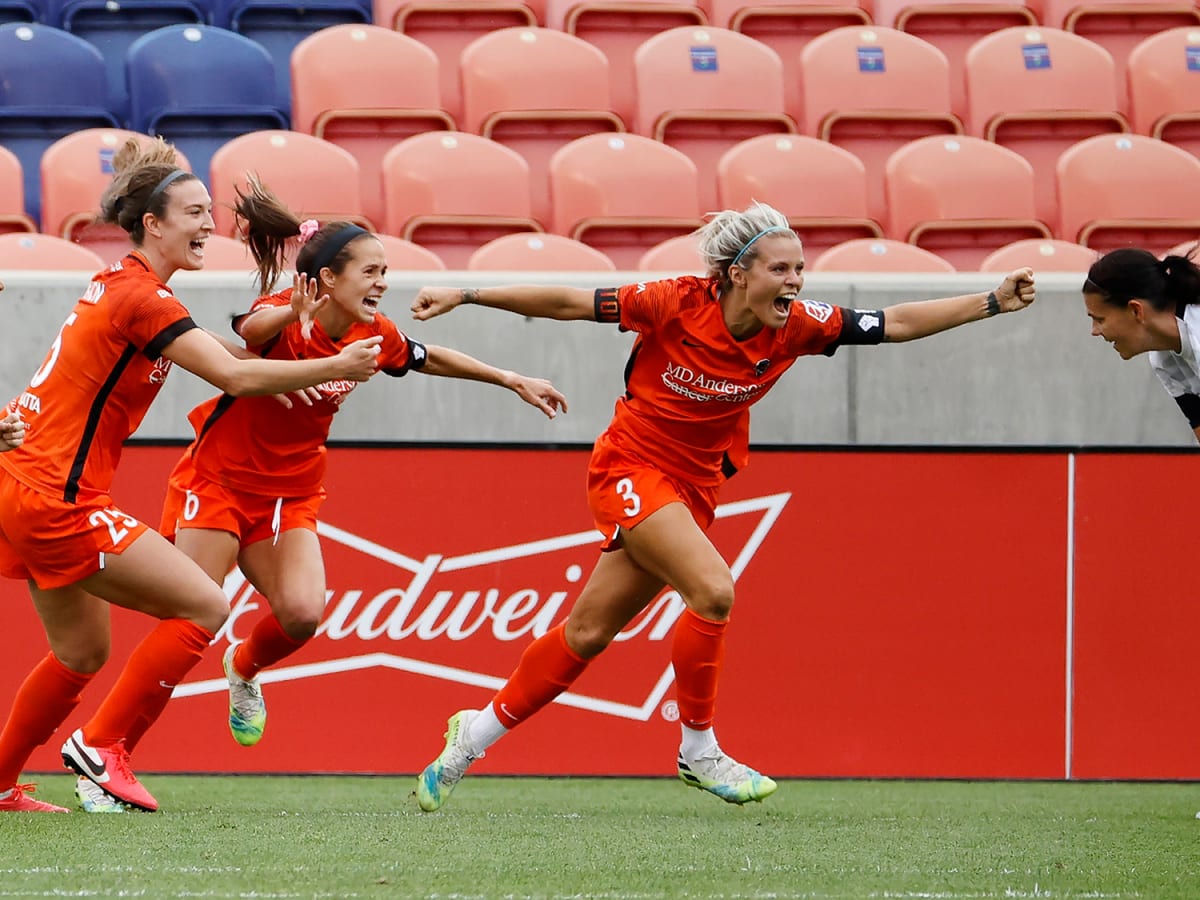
pixel 724 767
pixel 22 789
pixel 120 761
pixel 247 698
pixel 455 765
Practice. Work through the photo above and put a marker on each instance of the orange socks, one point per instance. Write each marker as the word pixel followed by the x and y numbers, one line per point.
pixel 268 644
pixel 547 668
pixel 697 652
pixel 156 665
pixel 43 701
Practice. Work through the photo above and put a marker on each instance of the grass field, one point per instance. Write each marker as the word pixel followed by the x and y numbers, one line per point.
pixel 278 837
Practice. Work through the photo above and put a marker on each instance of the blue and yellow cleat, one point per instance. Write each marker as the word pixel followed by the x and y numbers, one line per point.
pixel 94 799
pixel 438 779
pixel 725 777
pixel 247 709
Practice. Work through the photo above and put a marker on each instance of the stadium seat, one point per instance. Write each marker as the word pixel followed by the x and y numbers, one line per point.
pixel 786 26
pixel 452 192
pixel 535 89
pixel 702 90
pixel 871 90
pixel 12 195
pixel 406 256
pixel 960 197
pixel 446 27
pixel 1164 87
pixel 678 255
pixel 279 25
pixel 22 11
pixel 45 251
pixel 820 187
pixel 313 177
pixel 199 86
pixel 111 27
pixel 878 255
pixel 1185 248
pixel 51 83
pixel 618 28
pixel 1038 91
pixel 1117 25
pixel 536 252
pixel 622 194
pixel 1128 189
pixel 953 26
pixel 1041 255
pixel 367 116
pixel 75 170
pixel 226 254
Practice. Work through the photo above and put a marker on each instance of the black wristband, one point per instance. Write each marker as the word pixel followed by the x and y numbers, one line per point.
pixel 470 295
pixel 993 305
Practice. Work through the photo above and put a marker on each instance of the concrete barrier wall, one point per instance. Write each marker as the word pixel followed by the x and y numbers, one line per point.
pixel 1036 378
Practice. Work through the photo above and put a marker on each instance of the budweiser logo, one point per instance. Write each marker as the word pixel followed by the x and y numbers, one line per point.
pixel 445 616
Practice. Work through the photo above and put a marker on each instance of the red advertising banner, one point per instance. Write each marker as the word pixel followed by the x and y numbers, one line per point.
pixel 899 614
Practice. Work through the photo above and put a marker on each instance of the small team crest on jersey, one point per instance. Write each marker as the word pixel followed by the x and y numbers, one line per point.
pixel 761 366
pixel 163 292
pixel 818 310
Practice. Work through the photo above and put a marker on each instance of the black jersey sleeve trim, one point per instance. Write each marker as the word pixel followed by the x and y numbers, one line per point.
pixel 154 349
pixel 1189 405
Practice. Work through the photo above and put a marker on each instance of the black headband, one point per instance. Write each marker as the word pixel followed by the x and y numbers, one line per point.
pixel 332 247
pixel 163 185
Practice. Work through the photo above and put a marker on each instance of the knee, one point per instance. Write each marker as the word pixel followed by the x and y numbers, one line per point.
pixel 213 612
pixel 588 638
pixel 85 659
pixel 712 600
pixel 298 616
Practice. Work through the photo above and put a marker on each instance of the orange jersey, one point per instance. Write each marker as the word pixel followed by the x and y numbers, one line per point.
pixel 98 380
pixel 690 384
pixel 255 444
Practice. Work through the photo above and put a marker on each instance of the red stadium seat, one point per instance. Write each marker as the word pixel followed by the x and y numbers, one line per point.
pixel 702 90
pixel 313 177
pixel 452 192
pixel 226 254
pixel 1186 248
pixel 12 195
pixel 1038 91
pixel 534 252
pixel 366 116
pixel 872 89
pixel 618 28
pixel 820 187
pixel 406 256
pixel 24 250
pixel 535 89
pixel 679 255
pixel 446 27
pixel 960 197
pixel 878 255
pixel 622 194
pixel 1041 255
pixel 1164 87
pixel 1128 189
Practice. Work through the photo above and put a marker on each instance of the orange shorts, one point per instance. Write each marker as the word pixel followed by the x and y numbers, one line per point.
pixel 623 490
pixel 195 502
pixel 56 543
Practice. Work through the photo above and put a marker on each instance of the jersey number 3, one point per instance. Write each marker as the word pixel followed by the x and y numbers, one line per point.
pixel 630 496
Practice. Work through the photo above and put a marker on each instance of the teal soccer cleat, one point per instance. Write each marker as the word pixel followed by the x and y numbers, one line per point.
pixel 437 781
pixel 247 709
pixel 725 777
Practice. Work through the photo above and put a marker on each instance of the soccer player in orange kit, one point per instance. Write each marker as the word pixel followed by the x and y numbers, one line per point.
pixel 248 488
pixel 59 527
pixel 655 473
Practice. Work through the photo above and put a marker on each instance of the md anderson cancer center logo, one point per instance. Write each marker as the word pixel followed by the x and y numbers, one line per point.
pixel 463 619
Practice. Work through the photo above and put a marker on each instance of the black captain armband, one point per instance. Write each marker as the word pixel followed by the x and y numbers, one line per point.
pixel 1189 405
pixel 861 326
pixel 417 357
pixel 608 307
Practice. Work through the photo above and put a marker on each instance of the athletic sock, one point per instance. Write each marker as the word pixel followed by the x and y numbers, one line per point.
pixel 268 644
pixel 697 652
pixel 547 668
pixel 43 702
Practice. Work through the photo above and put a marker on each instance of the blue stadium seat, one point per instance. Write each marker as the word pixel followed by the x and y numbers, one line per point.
pixel 199 86
pixel 112 27
pixel 51 84
pixel 279 26
pixel 20 11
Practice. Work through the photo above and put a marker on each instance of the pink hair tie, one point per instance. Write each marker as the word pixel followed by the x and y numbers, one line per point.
pixel 308 228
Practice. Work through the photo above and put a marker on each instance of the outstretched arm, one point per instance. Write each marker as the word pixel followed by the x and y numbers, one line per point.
pixel 534 391
pixel 263 324
pixel 536 301
pixel 921 318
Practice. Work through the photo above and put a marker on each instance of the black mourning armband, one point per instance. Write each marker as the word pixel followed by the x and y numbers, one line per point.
pixel 1189 405
pixel 608 307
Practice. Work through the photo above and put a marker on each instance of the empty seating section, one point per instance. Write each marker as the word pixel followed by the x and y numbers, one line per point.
pixel 701 90
pixel 535 89
pixel 1115 190
pixel 366 115
pixel 592 134
pixel 45 251
pixel 871 90
pixel 1038 91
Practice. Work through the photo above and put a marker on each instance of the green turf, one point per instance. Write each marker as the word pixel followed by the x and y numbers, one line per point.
pixel 264 837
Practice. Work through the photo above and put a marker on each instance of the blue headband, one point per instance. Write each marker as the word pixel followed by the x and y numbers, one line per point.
pixel 163 185
pixel 750 242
